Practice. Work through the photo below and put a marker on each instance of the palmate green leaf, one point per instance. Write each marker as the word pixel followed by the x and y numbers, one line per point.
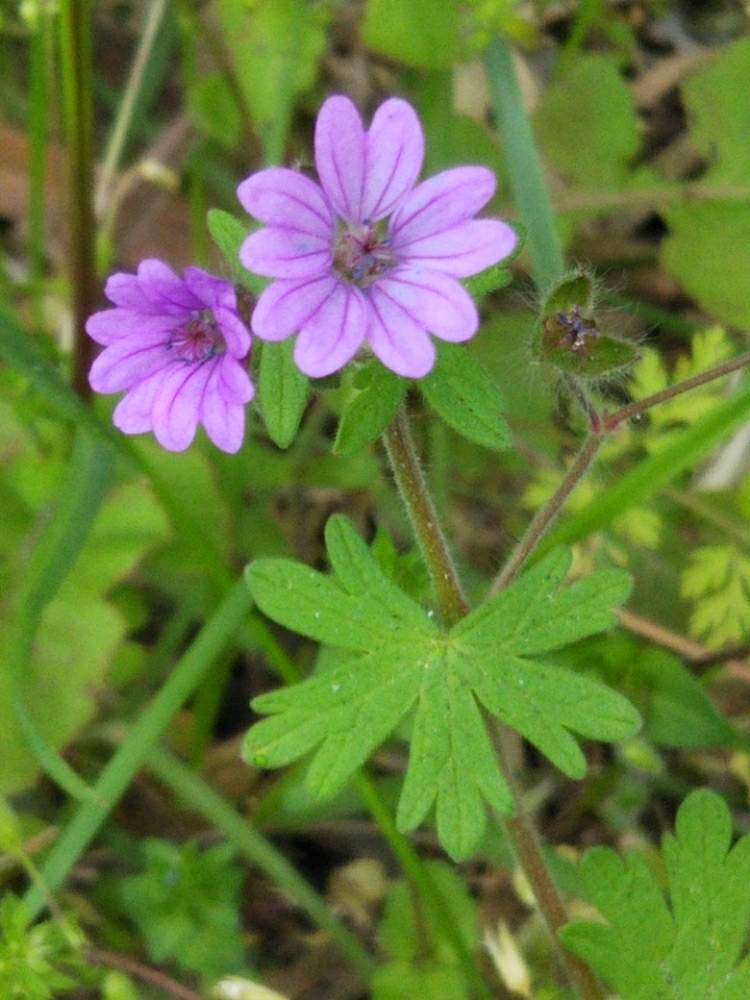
pixel 463 393
pixel 367 414
pixel 689 948
pixel 388 657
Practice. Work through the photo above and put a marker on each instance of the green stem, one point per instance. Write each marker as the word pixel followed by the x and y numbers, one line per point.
pixel 154 16
pixel 546 515
pixel 259 851
pixel 636 409
pixel 412 485
pixel 77 89
pixel 151 724
pixel 526 176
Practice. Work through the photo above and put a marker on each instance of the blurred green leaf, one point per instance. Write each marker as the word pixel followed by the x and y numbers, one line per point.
pixel 186 906
pixel 214 110
pixel 421 33
pixel 282 392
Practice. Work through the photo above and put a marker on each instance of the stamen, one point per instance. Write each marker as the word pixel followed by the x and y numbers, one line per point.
pixel 362 254
pixel 198 339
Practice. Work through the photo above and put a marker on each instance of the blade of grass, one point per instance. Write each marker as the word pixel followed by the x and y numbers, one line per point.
pixel 116 143
pixel 196 793
pixel 55 553
pixel 526 176
pixel 655 472
pixel 77 79
pixel 40 68
pixel 146 731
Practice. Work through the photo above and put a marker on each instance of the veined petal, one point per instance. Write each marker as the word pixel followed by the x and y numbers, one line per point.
pixel 132 415
pixel 178 402
pixel 209 289
pixel 340 156
pixel 441 202
pixel 466 249
pixel 433 300
pixel 164 290
pixel 396 338
pixel 125 290
pixel 126 362
pixel 286 253
pixel 224 422
pixel 394 151
pixel 282 197
pixel 334 334
pixel 285 306
pixel 232 381
pixel 235 333
pixel 110 325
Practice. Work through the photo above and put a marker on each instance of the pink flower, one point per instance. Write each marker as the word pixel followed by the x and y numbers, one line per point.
pixel 366 256
pixel 175 346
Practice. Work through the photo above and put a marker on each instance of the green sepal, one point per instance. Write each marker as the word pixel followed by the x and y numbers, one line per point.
pixel 376 396
pixel 282 392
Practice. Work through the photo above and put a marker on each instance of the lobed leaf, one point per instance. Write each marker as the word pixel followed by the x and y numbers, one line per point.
pixel 689 950
pixel 534 616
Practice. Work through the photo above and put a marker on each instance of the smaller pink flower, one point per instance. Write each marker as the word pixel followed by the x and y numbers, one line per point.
pixel 366 256
pixel 175 346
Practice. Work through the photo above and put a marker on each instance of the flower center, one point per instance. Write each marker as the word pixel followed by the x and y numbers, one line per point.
pixel 362 254
pixel 198 339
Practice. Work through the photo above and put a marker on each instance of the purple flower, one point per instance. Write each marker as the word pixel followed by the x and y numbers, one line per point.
pixel 175 346
pixel 366 256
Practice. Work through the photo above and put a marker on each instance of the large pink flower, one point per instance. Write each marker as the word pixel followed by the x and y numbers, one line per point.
pixel 366 256
pixel 175 346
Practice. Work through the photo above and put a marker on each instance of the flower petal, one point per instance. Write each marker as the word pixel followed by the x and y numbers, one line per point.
pixel 340 156
pixel 441 202
pixel 236 335
pixel 394 151
pixel 286 253
pixel 282 197
pixel 109 325
pixel 334 333
pixel 206 287
pixel 164 290
pixel 467 248
pixel 233 382
pixel 125 290
pixel 434 301
pixel 224 422
pixel 126 362
pixel 178 402
pixel 400 343
pixel 132 414
pixel 286 306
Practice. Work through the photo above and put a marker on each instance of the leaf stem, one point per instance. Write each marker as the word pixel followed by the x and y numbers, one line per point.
pixel 635 409
pixel 545 516
pixel 415 494
pixel 78 91
pixel 412 485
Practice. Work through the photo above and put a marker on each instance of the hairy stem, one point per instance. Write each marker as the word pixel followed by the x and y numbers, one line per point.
pixel 613 420
pixel 414 492
pixel 545 517
pixel 77 89
pixel 412 485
